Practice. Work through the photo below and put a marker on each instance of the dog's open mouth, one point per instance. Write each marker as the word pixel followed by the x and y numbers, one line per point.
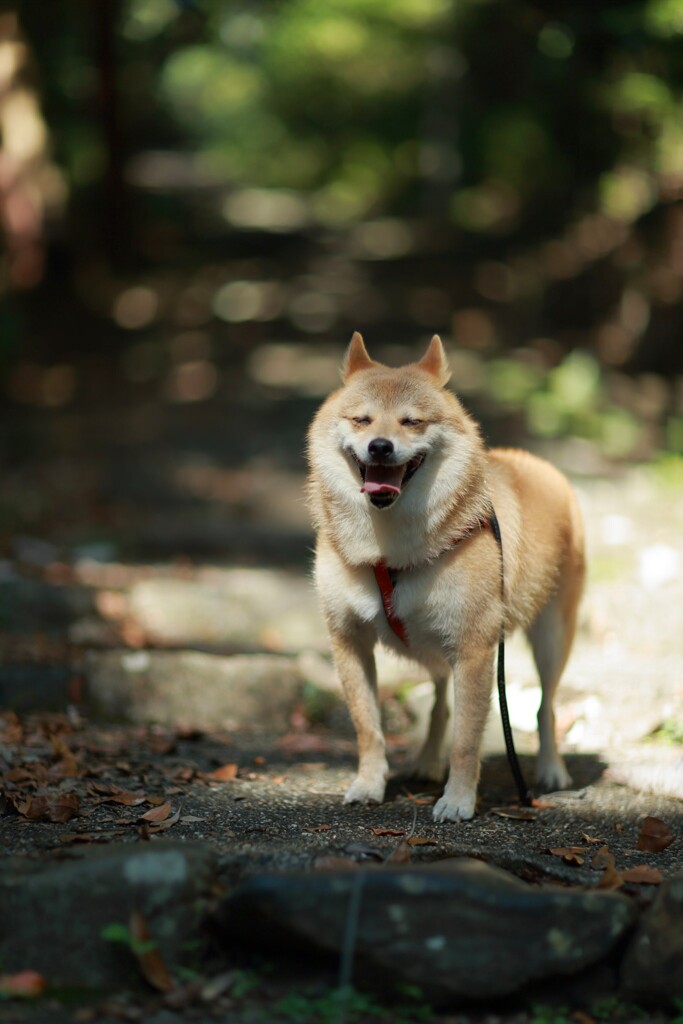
pixel 384 483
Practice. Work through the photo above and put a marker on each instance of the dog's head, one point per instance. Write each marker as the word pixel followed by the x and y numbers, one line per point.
pixel 390 424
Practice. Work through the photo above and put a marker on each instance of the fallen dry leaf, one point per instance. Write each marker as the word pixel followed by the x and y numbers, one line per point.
pixel 148 956
pixel 570 854
pixel 22 777
pixel 226 773
pixel 602 858
pixel 421 841
pixel 611 878
pixel 157 814
pixel 125 798
pixel 655 836
pixel 316 828
pixel 59 807
pixel 24 984
pixel 401 855
pixel 160 743
pixel 388 831
pixel 85 837
pixel 97 788
pixel 591 839
pixel 643 874
pixel 167 823
pixel 516 813
pixel 419 798
pixel 67 765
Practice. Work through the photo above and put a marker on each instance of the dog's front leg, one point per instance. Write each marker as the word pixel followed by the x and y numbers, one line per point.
pixel 472 680
pixel 355 662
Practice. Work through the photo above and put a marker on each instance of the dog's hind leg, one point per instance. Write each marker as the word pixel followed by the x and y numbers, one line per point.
pixel 431 761
pixel 551 636
pixel 355 663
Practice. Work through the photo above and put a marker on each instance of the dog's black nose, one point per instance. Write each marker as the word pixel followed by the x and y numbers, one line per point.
pixel 380 448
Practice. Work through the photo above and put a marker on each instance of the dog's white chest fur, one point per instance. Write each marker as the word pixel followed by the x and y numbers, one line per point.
pixel 427 599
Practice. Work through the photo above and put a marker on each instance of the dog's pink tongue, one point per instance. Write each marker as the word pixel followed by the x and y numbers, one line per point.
pixel 380 479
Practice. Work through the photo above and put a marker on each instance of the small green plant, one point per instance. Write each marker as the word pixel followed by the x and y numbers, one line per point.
pixel 118 932
pixel 351 1007
pixel 542 1014
pixel 244 983
pixel 670 731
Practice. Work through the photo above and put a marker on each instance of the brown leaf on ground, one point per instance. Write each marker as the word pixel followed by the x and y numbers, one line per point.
pixel 67 765
pixel 569 854
pixel 419 798
pixel 125 798
pixel 59 807
pixel 401 855
pixel 388 831
pixel 592 839
pixel 226 773
pixel 516 813
pixel 148 957
pixel 161 743
pixel 157 814
pixel 655 836
pixel 643 874
pixel 421 841
pixel 611 878
pixel 24 985
pixel 316 828
pixel 168 823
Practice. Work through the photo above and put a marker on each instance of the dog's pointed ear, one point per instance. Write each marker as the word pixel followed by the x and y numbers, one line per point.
pixel 356 357
pixel 434 361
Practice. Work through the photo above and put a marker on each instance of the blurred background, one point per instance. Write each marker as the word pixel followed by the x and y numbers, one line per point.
pixel 201 200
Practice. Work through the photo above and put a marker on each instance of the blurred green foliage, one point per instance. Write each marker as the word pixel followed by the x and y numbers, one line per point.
pixel 531 115
pixel 547 140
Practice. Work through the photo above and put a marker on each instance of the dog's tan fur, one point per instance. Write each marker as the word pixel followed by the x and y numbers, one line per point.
pixel 448 595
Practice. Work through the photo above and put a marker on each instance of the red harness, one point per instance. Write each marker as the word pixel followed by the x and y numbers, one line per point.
pixel 385 581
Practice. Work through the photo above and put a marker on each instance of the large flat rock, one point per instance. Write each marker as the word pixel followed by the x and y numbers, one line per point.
pixel 53 914
pixel 652 969
pixel 458 929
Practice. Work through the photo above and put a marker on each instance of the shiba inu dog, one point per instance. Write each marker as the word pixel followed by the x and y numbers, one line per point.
pixel 402 490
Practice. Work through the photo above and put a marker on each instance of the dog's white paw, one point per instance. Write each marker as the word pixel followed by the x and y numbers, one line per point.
pixel 551 774
pixel 365 791
pixel 450 808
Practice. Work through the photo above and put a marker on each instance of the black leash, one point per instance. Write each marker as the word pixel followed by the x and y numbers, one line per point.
pixel 522 788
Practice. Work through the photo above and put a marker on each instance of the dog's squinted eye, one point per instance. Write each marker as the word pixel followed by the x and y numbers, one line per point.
pixel 408 421
pixel 361 421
